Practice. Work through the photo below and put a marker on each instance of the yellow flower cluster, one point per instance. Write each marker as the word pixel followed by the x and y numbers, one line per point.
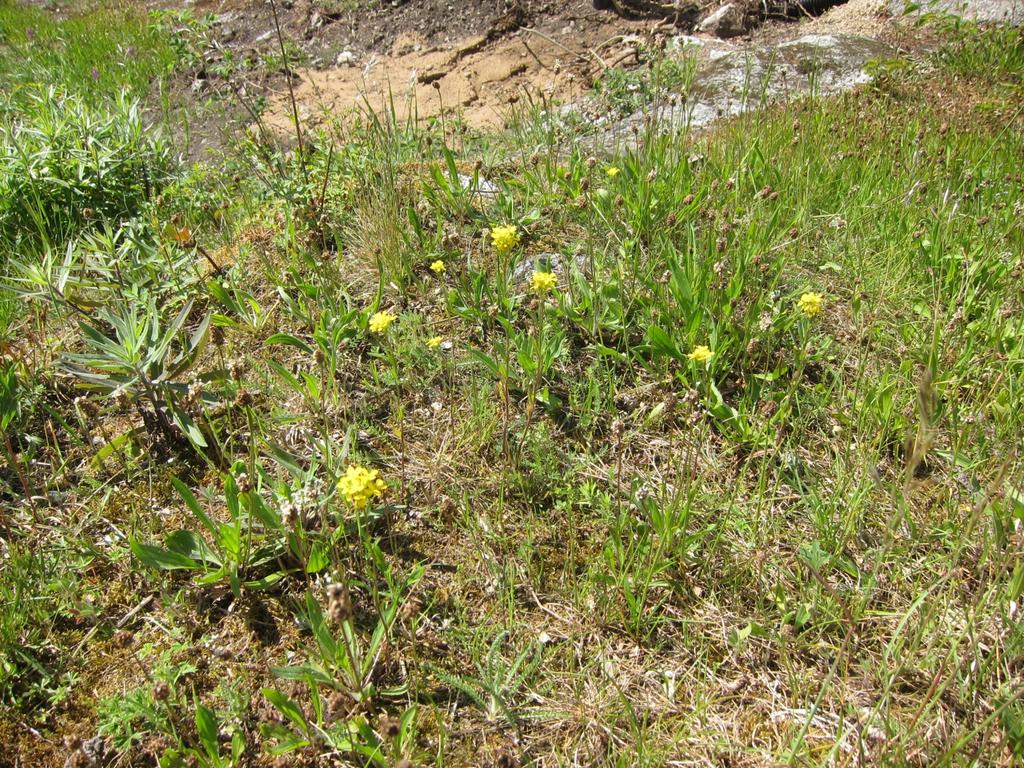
pixel 434 342
pixel 380 321
pixel 437 267
pixel 543 282
pixel 360 485
pixel 611 171
pixel 505 237
pixel 701 354
pixel 810 304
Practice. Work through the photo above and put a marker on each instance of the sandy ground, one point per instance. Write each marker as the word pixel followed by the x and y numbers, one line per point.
pixel 510 61
pixel 477 78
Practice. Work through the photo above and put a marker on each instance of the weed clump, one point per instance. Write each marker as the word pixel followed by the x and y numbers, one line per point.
pixel 66 166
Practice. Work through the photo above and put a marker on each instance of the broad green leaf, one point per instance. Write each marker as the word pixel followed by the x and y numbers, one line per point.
pixel 662 343
pixel 158 557
pixel 193 504
pixel 206 727
pixel 286 707
pixel 319 558
pixel 287 339
pixel 192 546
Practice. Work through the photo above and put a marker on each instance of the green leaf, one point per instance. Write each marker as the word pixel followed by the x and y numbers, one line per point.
pixel 405 724
pixel 488 362
pixel 267 581
pixel 604 351
pixel 192 546
pixel 662 343
pixel 158 557
pixel 286 339
pixel 259 509
pixel 123 444
pixel 816 557
pixel 304 672
pixel 185 423
pixel 206 727
pixel 288 377
pixel 193 505
pixel 230 540
pixel 283 704
pixel 289 461
pixel 319 558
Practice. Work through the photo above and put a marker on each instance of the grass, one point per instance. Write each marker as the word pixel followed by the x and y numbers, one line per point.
pixel 92 51
pixel 595 541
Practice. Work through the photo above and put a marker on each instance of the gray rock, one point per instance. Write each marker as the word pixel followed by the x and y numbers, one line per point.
pixel 484 189
pixel 832 63
pixel 727 21
pixel 732 79
pixel 522 273
pixel 989 11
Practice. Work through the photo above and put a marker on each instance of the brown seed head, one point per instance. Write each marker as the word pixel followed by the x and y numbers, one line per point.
pixel 389 728
pixel 123 639
pixel 339 604
pixel 71 743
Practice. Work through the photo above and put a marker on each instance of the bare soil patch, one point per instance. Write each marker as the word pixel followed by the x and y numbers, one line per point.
pixel 474 60
pixel 477 77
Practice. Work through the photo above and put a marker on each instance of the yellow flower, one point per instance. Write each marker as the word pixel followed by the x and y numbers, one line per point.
pixel 437 266
pixel 434 342
pixel 505 238
pixel 380 321
pixel 700 354
pixel 543 282
pixel 611 171
pixel 810 304
pixel 360 485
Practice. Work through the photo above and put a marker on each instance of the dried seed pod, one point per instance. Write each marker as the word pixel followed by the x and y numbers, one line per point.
pixel 339 604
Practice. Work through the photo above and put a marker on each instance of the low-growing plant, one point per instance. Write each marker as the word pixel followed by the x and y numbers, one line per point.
pixel 37 589
pixel 66 165
pixel 322 727
pixel 343 668
pixel 144 358
pixel 344 657
pixel 497 681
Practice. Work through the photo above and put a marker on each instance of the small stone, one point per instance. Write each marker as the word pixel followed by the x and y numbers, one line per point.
pixel 727 21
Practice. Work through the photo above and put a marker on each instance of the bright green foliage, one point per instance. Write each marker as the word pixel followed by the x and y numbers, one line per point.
pixel 94 54
pixel 738 481
pixel 65 165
